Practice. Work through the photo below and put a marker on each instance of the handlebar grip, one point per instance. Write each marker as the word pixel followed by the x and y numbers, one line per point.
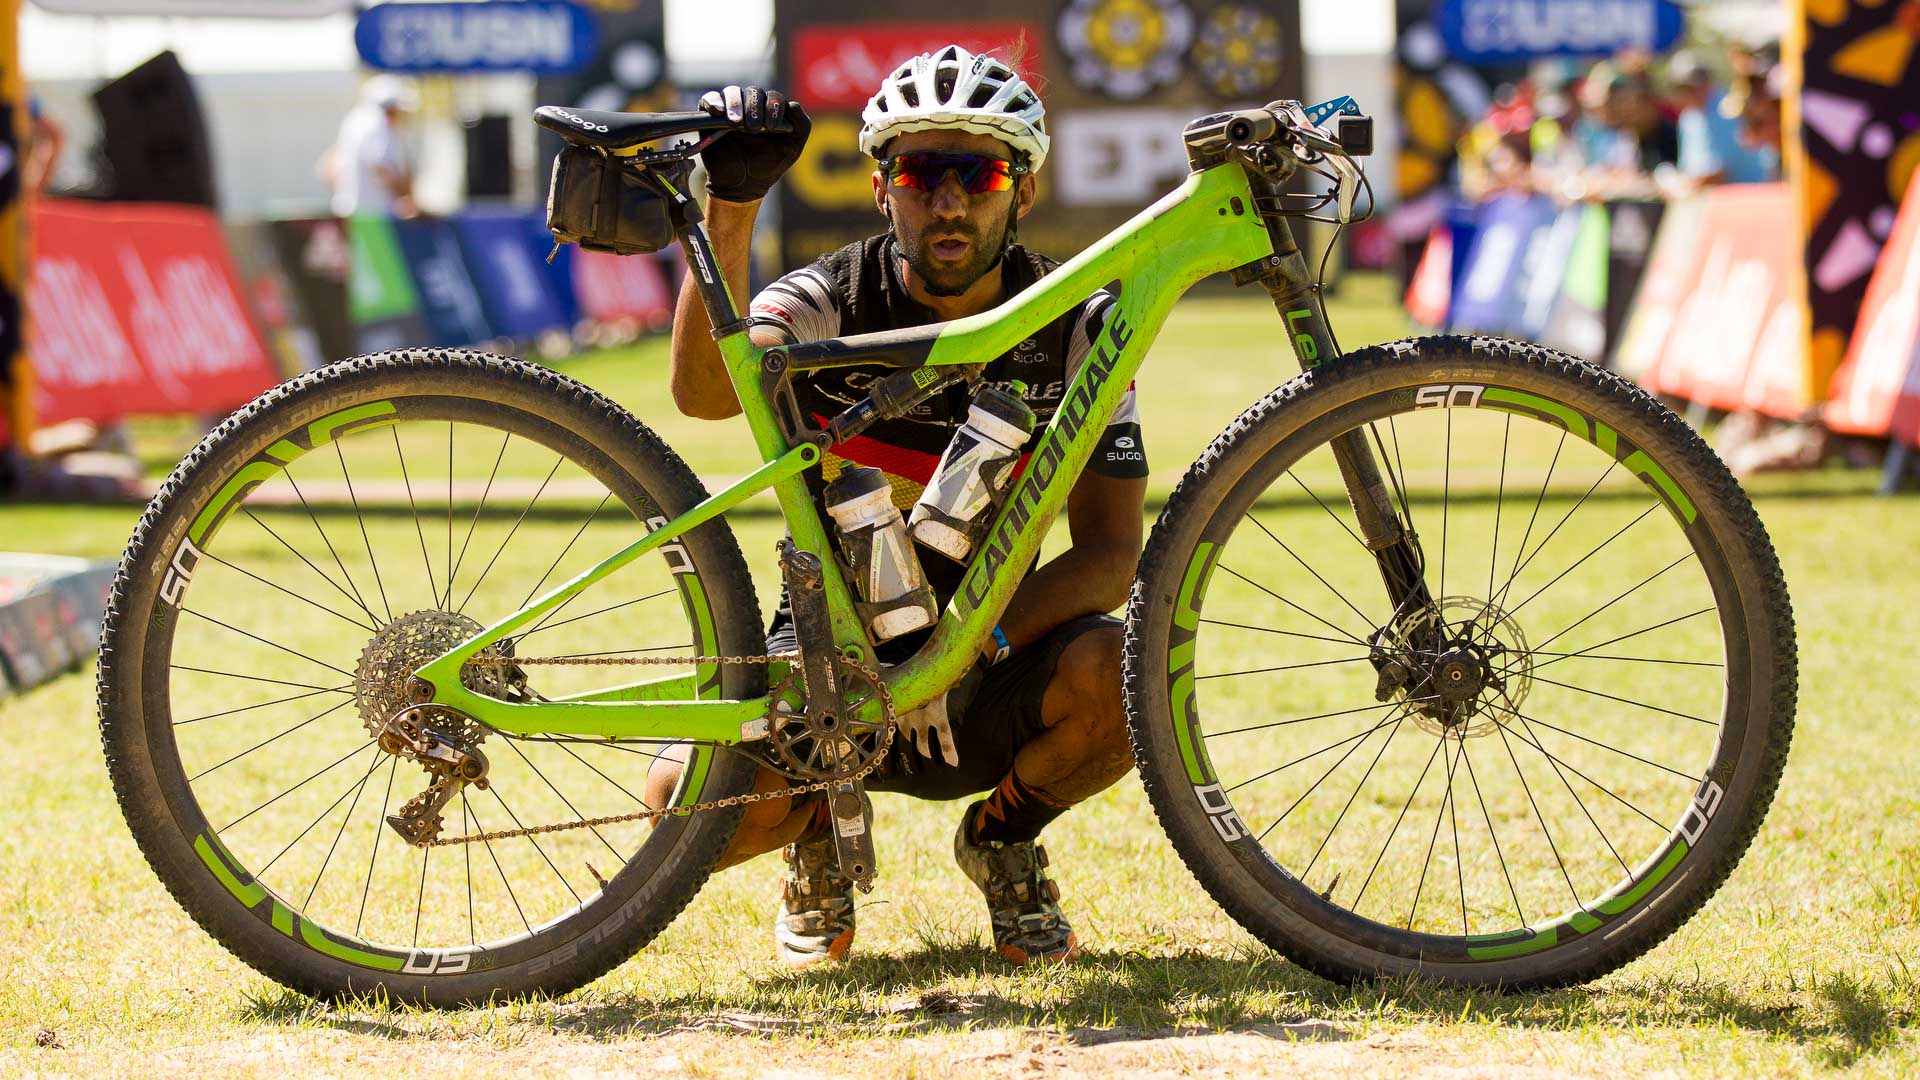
pixel 1251 126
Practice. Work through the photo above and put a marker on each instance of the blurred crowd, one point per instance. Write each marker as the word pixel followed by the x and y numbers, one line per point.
pixel 1632 126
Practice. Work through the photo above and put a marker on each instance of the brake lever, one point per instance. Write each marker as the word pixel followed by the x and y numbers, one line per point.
pixel 1318 141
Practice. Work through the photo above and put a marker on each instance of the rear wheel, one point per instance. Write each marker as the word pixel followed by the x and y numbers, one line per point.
pixel 1528 783
pixel 312 551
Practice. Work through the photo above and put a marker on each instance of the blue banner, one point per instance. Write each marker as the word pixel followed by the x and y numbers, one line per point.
pixel 506 256
pixel 1504 31
pixel 546 37
pixel 1489 296
pixel 449 302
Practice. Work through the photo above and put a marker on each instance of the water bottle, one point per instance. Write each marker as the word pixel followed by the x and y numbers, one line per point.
pixel 974 475
pixel 894 594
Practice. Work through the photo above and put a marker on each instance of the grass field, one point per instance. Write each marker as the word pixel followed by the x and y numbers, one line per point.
pixel 1800 964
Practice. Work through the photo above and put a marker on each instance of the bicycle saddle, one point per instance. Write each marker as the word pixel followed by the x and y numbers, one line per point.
pixel 618 130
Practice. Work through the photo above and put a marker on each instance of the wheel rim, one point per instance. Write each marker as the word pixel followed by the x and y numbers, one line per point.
pixel 304 600
pixel 1591 634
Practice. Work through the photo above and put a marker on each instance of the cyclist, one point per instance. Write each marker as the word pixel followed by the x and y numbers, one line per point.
pixel 1038 723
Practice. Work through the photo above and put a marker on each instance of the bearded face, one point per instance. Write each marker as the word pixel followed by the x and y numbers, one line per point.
pixel 949 238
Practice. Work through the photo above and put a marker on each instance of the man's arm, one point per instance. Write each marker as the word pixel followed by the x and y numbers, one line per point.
pixel 700 384
pixel 1105 521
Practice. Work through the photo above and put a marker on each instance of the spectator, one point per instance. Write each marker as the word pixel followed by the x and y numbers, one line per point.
pixel 46 139
pixel 1710 148
pixel 370 167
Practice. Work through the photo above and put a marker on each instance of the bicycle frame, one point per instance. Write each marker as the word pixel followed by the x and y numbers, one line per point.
pixel 1209 224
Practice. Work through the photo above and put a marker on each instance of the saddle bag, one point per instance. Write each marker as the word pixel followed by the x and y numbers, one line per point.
pixel 595 202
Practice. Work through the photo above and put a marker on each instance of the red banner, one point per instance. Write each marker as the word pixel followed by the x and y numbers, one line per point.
pixel 1877 389
pixel 613 287
pixel 1733 340
pixel 136 309
pixel 840 67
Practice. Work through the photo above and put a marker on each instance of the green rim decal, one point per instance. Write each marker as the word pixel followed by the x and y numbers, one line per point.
pixel 693 779
pixel 281 454
pixel 1637 462
pixel 1579 920
pixel 251 893
pixel 706 677
pixel 1180 658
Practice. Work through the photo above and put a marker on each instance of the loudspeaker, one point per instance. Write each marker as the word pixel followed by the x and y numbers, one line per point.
pixel 153 136
pixel 489 157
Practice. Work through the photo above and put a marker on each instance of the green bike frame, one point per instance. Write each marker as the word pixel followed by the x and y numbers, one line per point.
pixel 1207 225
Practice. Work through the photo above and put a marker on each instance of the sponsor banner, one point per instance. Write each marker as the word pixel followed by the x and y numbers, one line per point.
pixel 1120 78
pixel 542 36
pixel 1631 228
pixel 1543 270
pixel 839 66
pixel 382 305
pixel 626 74
pixel 251 9
pixel 519 291
pixel 1577 321
pixel 1732 339
pixel 1501 31
pixel 615 288
pixel 1877 388
pixel 315 259
pixel 1852 156
pixel 449 301
pixel 1431 291
pixel 138 310
pixel 50 612
pixel 1489 295
pixel 271 298
pixel 1672 262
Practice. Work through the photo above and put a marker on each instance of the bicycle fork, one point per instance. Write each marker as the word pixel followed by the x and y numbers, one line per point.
pixel 1395 547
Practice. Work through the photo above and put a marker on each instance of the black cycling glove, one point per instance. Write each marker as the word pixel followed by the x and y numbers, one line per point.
pixel 742 164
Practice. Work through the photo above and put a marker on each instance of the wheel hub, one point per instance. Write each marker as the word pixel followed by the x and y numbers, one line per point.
pixel 1463 666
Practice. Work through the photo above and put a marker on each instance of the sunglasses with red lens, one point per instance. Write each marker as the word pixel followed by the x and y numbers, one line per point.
pixel 927 170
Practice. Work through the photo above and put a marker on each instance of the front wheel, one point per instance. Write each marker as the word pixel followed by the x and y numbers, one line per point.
pixel 299 564
pixel 1526 782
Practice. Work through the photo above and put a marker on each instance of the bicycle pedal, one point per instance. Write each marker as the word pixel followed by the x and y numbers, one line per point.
pixel 853 833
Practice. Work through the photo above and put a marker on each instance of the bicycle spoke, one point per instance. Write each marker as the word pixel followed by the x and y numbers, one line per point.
pixel 1316 498
pixel 310 779
pixel 360 599
pixel 1446 802
pixel 1282 633
pixel 1294 606
pixel 1626 701
pixel 568 803
pixel 1635 588
pixel 477 510
pixel 359 787
pixel 1534 516
pixel 1602 546
pixel 1395 831
pixel 544 625
pixel 420 898
pixel 1446 499
pixel 1499 852
pixel 270 644
pixel 1629 659
pixel 465 809
pixel 249 678
pixel 1611 641
pixel 265 704
pixel 418 529
pixel 1318 716
pixel 1316 574
pixel 266 741
pixel 1601 745
pixel 571 540
pixel 1532 739
pixel 1499 501
pixel 353 597
pixel 495 789
pixel 596 769
pixel 1283 667
pixel 1342 816
pixel 1507 587
pixel 378 835
pixel 361 518
pixel 303 599
pixel 1363 733
pixel 1538 816
pixel 352 788
pixel 514 528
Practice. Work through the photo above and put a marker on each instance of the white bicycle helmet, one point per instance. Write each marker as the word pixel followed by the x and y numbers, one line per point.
pixel 955 90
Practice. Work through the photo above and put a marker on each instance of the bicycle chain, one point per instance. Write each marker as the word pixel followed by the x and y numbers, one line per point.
pixel 886 741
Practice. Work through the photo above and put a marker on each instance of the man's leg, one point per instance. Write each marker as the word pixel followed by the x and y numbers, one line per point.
pixel 1082 750
pixel 766 826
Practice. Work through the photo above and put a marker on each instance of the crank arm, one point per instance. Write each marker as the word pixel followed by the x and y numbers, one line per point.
pixel 813 629
pixel 853 832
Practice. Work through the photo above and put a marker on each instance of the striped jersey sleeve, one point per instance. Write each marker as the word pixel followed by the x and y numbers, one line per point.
pixel 801 305
pixel 1119 453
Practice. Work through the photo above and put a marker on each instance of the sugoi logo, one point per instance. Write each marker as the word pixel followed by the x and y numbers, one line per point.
pixel 1124 442
pixel 580 121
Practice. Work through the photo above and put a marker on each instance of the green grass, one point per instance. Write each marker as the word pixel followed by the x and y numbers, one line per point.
pixel 1801 964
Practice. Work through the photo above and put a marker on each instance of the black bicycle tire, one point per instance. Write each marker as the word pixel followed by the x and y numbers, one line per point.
pixel 1766 628
pixel 639 901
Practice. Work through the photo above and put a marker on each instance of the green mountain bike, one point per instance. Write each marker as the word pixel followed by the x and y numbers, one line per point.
pixel 1455 657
